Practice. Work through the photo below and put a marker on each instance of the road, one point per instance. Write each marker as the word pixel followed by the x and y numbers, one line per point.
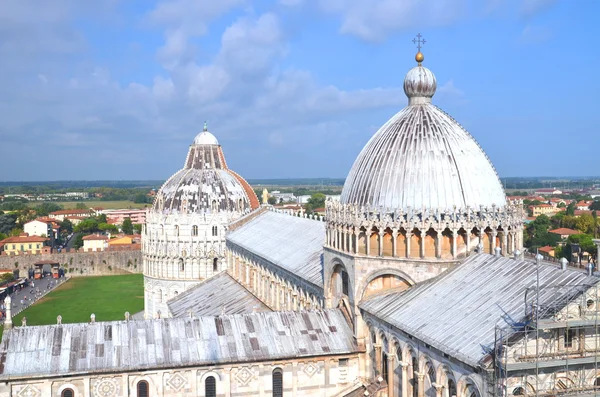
pixel 31 294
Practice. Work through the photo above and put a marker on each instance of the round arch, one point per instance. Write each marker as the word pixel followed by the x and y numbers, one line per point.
pixel 384 279
pixel 340 283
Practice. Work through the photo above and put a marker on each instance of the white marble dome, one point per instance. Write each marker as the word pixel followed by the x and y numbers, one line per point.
pixel 422 158
pixel 205 184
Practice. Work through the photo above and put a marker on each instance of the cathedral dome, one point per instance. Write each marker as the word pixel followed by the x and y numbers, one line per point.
pixel 422 158
pixel 205 184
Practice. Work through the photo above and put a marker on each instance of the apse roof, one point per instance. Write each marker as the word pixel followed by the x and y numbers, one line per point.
pixel 458 311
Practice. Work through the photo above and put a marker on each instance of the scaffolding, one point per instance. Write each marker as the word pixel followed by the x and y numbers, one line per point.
pixel 554 350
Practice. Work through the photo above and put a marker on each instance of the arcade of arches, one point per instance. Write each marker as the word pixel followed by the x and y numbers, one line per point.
pixel 409 371
pixel 416 243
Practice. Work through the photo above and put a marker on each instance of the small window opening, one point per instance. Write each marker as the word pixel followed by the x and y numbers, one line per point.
pixel 210 387
pixel 215 231
pixel 519 391
pixel 569 336
pixel 345 283
pixel 215 264
pixel 277 383
pixel 142 389
pixel 67 393
pixel 343 362
pixel 194 230
pixel 181 265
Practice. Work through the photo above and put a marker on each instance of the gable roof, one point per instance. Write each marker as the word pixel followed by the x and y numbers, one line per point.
pixel 458 311
pixel 565 231
pixel 220 294
pixel 94 237
pixel 117 346
pixel 292 243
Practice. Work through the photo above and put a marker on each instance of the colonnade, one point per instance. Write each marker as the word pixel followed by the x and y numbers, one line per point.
pixel 422 244
pixel 409 372
pixel 272 288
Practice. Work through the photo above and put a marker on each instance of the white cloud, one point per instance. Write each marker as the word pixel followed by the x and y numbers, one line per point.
pixel 449 93
pixel 374 20
pixel 530 8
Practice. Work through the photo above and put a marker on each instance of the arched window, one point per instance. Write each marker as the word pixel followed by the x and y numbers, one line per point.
pixel 181 265
pixel 142 389
pixel 215 231
pixel 214 205
pixel 210 387
pixel 215 264
pixel 597 382
pixel 519 391
pixel 194 230
pixel 345 283
pixel 67 393
pixel 277 382
pixel 451 388
pixel 177 230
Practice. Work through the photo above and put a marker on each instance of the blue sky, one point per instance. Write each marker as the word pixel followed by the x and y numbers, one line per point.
pixel 117 89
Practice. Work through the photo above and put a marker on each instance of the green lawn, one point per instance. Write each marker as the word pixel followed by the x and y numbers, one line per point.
pixel 108 297
pixel 121 204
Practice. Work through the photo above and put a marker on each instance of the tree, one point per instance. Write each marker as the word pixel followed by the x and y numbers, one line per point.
pixel 272 200
pixel 595 206
pixel 15 232
pixel 101 218
pixel 315 201
pixel 3 236
pixel 87 226
pixel 561 205
pixel 45 209
pixel 140 198
pixel 66 226
pixel 6 277
pixel 107 227
pixel 571 209
pixel 585 224
pixel 137 228
pixel 7 223
pixel 127 226
pixel 78 243
pixel 81 206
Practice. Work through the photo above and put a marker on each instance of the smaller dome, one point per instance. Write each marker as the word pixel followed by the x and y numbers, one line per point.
pixel 419 83
pixel 205 137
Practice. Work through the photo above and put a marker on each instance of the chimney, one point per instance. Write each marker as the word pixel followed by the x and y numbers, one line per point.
pixel 563 263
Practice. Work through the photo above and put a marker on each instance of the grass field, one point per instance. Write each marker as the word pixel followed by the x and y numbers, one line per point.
pixel 121 204
pixel 108 297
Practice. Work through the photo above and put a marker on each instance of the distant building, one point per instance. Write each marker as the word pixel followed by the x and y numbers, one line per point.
pixel 118 216
pixel 583 205
pixel 95 242
pixel 125 242
pixel 546 251
pixel 62 214
pixel 23 244
pixel 564 232
pixel 543 209
pixel 38 228
pixel 548 192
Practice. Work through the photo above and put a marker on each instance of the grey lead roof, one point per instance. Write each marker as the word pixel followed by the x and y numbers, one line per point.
pixel 57 350
pixel 220 294
pixel 458 311
pixel 295 244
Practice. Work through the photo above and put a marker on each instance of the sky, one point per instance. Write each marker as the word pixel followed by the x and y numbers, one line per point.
pixel 118 89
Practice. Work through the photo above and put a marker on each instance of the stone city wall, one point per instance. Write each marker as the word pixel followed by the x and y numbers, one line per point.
pixel 80 264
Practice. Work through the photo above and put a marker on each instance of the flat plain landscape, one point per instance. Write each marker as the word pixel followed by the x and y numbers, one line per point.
pixel 109 205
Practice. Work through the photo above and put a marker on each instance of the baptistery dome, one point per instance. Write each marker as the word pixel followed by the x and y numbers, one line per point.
pixel 422 158
pixel 205 184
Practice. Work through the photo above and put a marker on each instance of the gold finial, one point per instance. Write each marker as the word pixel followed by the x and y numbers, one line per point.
pixel 419 41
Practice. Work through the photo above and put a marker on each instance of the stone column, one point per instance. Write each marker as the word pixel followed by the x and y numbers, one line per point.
pixel 395 243
pixel 421 378
pixel 438 244
pixel 8 324
pixel 422 248
pixel 454 235
pixel 380 243
pixel 493 235
pixel 597 242
pixel 408 238
pixel 355 241
pixel 504 244
pixel 368 242
pixel 377 347
pixel 439 389
pixel 390 377
pixel 468 242
pixel 404 378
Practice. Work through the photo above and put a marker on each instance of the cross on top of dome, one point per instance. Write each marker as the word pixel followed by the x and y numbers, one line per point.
pixel 419 41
